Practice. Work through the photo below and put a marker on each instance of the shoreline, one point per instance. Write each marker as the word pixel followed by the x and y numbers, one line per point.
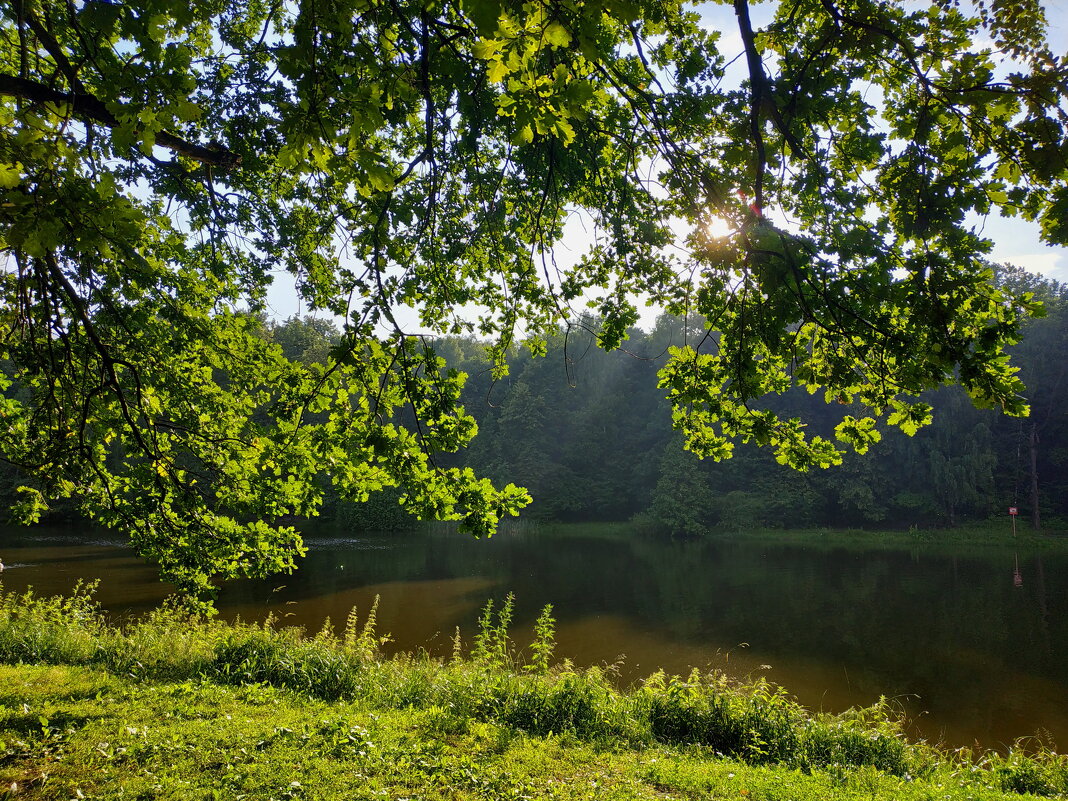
pixel 146 709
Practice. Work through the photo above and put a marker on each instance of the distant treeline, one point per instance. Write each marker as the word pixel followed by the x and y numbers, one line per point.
pixel 589 434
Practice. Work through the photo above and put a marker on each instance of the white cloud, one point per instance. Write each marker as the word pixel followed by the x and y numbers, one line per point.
pixel 1051 264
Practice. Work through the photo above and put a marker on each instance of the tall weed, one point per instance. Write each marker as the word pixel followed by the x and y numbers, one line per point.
pixel 363 641
pixel 756 721
pixel 491 643
pixel 544 642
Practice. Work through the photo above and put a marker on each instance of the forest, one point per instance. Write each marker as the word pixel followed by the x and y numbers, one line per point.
pixel 589 434
pixel 808 178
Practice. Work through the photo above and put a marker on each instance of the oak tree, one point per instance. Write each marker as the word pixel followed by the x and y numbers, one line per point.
pixel 160 160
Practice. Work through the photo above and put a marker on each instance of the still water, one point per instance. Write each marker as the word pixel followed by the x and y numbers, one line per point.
pixel 972 645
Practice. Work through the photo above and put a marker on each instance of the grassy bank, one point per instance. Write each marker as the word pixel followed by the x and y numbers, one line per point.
pixel 994 534
pixel 988 534
pixel 984 534
pixel 177 707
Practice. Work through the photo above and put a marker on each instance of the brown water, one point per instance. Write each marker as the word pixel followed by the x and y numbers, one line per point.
pixel 971 654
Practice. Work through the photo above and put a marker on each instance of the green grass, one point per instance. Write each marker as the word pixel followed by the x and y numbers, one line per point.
pixel 986 534
pixel 992 534
pixel 173 706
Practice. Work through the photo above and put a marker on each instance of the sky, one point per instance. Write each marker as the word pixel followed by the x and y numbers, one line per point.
pixel 1014 240
pixel 1018 241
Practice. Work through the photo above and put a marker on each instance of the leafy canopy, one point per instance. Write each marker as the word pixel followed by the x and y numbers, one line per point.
pixel 159 159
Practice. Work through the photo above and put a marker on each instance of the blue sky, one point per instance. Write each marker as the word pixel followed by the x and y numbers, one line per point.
pixel 1015 240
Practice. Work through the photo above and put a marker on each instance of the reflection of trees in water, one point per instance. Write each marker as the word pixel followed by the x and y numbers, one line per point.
pixel 883 608
pixel 904 619
pixel 956 635
pixel 1040 592
pixel 951 628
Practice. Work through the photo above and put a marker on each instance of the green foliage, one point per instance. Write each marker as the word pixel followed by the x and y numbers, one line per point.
pixel 544 641
pixel 761 724
pixel 491 646
pixel 684 499
pixel 1018 772
pixel 363 641
pixel 57 629
pixel 30 506
pixel 412 166
pixel 173 694
pixel 380 512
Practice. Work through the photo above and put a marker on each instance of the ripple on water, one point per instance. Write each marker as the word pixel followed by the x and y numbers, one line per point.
pixel 346 543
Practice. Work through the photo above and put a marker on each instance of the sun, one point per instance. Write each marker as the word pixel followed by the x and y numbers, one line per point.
pixel 717 228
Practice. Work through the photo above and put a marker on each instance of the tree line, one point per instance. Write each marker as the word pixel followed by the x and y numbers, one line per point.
pixel 589 434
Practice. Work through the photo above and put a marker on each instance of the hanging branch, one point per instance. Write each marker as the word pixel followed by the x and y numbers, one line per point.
pixel 90 109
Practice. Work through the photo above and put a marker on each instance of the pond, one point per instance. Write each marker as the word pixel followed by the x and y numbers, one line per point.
pixel 971 645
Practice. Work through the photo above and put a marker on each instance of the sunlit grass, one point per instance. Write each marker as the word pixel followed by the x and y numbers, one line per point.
pixel 173 706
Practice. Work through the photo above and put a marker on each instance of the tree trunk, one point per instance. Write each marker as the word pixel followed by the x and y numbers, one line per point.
pixel 1036 520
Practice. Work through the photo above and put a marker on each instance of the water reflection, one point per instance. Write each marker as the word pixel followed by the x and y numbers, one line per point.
pixel 970 656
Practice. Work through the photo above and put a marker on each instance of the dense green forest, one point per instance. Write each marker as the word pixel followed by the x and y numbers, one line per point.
pixel 589 434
